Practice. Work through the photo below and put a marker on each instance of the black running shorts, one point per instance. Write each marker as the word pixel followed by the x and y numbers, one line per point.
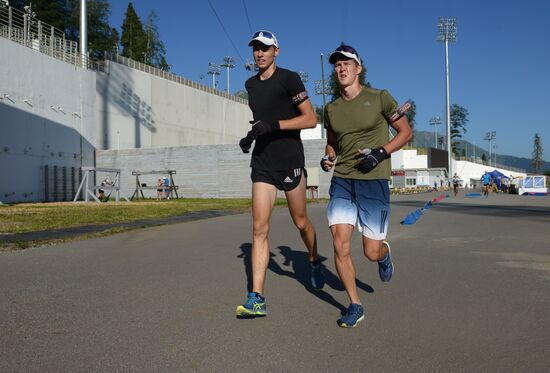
pixel 285 180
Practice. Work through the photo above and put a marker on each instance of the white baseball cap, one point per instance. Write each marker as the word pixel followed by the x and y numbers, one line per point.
pixel 265 37
pixel 346 51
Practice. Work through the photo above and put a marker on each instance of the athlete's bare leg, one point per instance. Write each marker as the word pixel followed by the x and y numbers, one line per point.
pixel 341 236
pixel 374 250
pixel 296 200
pixel 263 200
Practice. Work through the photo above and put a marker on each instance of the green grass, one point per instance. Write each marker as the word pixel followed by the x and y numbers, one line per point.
pixel 21 218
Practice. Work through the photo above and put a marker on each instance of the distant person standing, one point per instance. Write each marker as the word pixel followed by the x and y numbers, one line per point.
pixel 166 183
pixel 456 182
pixel 359 148
pixel 281 108
pixel 160 189
pixel 486 180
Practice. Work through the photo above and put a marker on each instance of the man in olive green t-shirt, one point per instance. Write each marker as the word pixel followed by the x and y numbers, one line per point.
pixel 359 148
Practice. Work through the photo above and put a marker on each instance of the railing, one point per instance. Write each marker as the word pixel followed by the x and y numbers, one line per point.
pixel 169 76
pixel 25 29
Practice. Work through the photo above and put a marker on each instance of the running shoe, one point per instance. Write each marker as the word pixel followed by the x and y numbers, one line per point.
pixel 351 316
pixel 385 266
pixel 317 276
pixel 254 307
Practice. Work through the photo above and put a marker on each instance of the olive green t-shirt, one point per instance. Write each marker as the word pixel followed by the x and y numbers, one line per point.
pixel 357 124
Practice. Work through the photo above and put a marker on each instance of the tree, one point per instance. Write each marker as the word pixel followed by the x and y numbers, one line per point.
pixel 537 162
pixel 411 114
pixel 483 157
pixel 101 36
pixel 65 16
pixel 459 119
pixel 242 94
pixel 156 52
pixel 133 38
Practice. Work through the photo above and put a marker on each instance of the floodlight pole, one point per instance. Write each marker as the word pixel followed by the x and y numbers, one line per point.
pixel 435 121
pixel 229 63
pixel 490 136
pixel 213 70
pixel 83 32
pixel 447 33
pixel 323 130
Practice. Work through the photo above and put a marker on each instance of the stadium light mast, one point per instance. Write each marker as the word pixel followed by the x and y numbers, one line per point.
pixel 213 70
pixel 322 88
pixel 229 63
pixel 490 136
pixel 435 121
pixel 304 76
pixel 83 32
pixel 446 27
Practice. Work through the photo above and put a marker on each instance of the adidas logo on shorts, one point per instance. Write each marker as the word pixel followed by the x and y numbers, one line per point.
pixel 287 180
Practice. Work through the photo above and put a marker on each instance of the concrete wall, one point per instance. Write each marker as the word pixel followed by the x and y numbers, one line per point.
pixel 39 95
pixel 202 171
pixel 139 110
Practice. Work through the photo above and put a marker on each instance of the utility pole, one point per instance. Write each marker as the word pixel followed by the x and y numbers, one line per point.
pixel 447 33
pixel 229 63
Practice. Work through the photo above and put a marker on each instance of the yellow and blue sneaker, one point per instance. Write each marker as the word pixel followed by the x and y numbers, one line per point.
pixel 351 316
pixel 254 307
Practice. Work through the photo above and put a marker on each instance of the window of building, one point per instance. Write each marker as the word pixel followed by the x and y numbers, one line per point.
pixel 410 181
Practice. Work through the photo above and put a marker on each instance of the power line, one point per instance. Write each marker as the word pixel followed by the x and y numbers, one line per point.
pixel 226 33
pixel 247 18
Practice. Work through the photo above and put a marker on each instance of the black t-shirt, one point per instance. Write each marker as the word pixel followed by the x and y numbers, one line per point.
pixel 272 99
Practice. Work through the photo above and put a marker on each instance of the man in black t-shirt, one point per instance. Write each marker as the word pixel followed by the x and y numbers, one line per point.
pixel 281 108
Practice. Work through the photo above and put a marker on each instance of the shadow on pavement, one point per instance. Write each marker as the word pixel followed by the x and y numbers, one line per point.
pixel 299 269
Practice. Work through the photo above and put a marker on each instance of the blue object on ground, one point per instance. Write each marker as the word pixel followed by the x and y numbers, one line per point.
pixel 410 219
pixel 472 195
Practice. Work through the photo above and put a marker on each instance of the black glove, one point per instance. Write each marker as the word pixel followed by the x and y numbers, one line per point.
pixel 324 166
pixel 369 158
pixel 246 142
pixel 261 127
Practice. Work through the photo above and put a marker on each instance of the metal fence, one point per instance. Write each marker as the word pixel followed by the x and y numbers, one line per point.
pixel 25 29
pixel 168 75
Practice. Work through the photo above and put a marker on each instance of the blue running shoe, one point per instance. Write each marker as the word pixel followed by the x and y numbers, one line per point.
pixel 385 266
pixel 254 307
pixel 317 276
pixel 351 316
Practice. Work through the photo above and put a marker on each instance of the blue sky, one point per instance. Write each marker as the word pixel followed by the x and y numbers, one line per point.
pixel 499 65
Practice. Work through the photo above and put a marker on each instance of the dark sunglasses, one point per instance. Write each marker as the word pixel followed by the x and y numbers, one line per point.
pixel 266 34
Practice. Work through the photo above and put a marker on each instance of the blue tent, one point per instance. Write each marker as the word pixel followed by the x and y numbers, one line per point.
pixel 497 176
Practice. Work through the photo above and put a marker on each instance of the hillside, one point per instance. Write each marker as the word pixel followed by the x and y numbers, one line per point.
pixel 424 139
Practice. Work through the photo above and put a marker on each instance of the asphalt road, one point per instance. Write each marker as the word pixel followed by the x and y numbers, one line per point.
pixel 471 293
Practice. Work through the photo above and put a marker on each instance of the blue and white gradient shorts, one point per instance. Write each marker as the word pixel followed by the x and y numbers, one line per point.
pixel 368 200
